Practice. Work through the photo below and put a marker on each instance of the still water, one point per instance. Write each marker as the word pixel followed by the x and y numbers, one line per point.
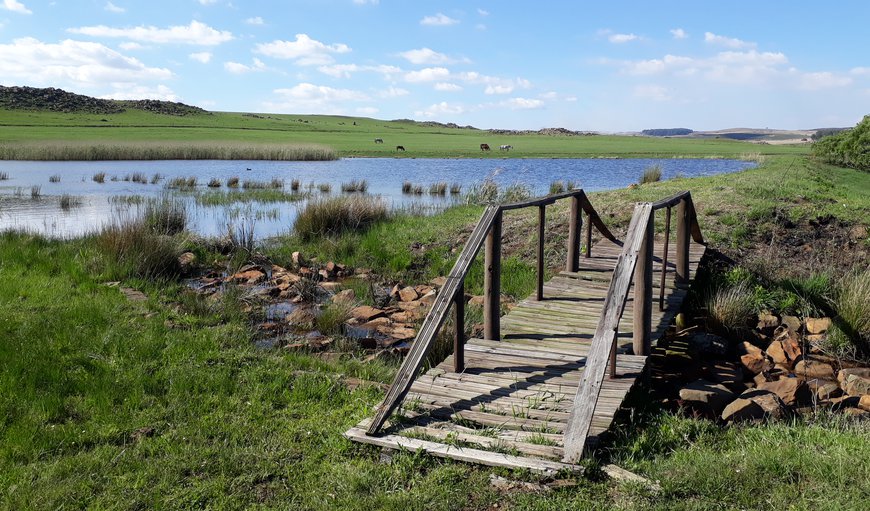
pixel 94 204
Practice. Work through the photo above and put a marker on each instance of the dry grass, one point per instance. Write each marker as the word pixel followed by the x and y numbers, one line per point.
pixel 99 177
pixel 165 150
pixel 651 174
pixel 331 216
pixel 852 305
pixel 731 307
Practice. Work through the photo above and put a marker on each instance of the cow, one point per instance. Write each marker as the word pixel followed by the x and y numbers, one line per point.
pixel 400 148
pixel 505 147
pixel 484 147
pixel 379 141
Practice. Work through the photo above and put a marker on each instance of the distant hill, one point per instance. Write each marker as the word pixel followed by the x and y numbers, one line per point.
pixel 666 132
pixel 58 100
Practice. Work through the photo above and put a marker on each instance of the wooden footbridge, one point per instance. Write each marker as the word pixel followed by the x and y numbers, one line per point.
pixel 547 378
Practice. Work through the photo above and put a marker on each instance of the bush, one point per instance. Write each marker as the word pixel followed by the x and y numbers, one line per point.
pixel 853 309
pixel 326 217
pixel 651 174
pixel 849 148
pixel 731 306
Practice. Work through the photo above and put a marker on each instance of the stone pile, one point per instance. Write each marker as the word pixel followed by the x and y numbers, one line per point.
pixel 778 370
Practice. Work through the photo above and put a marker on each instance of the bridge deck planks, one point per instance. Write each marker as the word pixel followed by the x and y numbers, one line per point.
pixel 515 393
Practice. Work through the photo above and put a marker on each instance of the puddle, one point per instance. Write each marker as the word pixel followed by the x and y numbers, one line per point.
pixel 278 311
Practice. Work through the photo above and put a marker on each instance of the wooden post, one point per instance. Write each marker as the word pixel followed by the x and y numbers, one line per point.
pixel 682 256
pixel 589 235
pixel 542 218
pixel 459 329
pixel 575 228
pixel 611 363
pixel 665 259
pixel 492 282
pixel 643 291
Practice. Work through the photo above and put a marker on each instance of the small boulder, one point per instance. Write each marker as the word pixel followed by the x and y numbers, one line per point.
pixel 365 313
pixel 792 322
pixel 438 281
pixel 428 299
pixel 706 395
pixel 844 373
pixel 809 368
pixel 186 262
pixel 344 296
pixel 752 358
pixel 711 344
pixel 297 259
pixel 776 353
pixel 817 325
pixel 755 404
pixel 302 318
pixel 856 385
pixel 251 276
pixel 864 402
pixel 767 323
pixel 408 294
pixel 825 389
pixel 792 391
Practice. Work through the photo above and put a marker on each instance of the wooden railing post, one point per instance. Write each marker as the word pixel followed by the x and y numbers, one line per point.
pixel 643 291
pixel 589 235
pixel 492 282
pixel 459 329
pixel 681 276
pixel 665 259
pixel 575 227
pixel 542 218
pixel 611 363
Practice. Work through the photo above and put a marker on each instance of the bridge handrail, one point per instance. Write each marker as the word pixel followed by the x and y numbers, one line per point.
pixel 488 229
pixel 634 265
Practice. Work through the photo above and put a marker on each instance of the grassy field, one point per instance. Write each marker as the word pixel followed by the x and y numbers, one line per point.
pixel 107 403
pixel 349 136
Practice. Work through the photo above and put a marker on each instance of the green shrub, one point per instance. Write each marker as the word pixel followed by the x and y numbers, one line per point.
pixel 326 217
pixel 557 187
pixel 852 305
pixel 332 317
pixel 850 148
pixel 651 174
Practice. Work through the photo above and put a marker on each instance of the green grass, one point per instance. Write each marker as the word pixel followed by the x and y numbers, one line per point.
pixel 42 134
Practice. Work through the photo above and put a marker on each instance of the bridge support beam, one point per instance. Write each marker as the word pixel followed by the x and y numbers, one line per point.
pixel 681 277
pixel 575 228
pixel 459 329
pixel 542 219
pixel 492 282
pixel 643 277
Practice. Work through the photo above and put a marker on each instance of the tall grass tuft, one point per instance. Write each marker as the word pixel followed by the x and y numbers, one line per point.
pixel 35 191
pixel 214 183
pixel 571 185
pixel 68 201
pixel 134 249
pixel 99 177
pixel 852 305
pixel 455 189
pixel 276 183
pixel 439 188
pixel 164 150
pixel 294 185
pixel 355 186
pixel 324 187
pixel 242 237
pixel 731 306
pixel 407 186
pixel 332 317
pixel 139 177
pixel 651 174
pixel 183 184
pixel 54 178
pixel 326 217
pixel 4 176
pixel 233 182
pixel 156 178
pixel 165 216
pixel 557 187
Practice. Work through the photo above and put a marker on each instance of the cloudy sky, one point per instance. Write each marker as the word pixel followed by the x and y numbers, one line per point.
pixel 607 66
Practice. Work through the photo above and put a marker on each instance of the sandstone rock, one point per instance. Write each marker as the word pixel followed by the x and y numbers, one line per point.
pixel 423 289
pixel 428 299
pixel 708 344
pixel 863 372
pixel 365 313
pixel 856 385
pixel 817 325
pixel 331 286
pixel 752 358
pixel 476 300
pixel 855 412
pixel 187 261
pixel 809 368
pixel 792 391
pixel 793 323
pixel 755 404
pixel 331 268
pixel 706 395
pixel 825 389
pixel 394 292
pixel 776 353
pixel 404 316
pixel 864 402
pixel 377 322
pixel 325 275
pixel 133 295
pixel 302 317
pixel 344 296
pixel 408 294
pixel 251 276
pixel 726 373
pixel 767 322
pixel 438 281
pixel 297 259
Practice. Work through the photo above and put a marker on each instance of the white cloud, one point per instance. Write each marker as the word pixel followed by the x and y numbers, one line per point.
pixel 71 63
pixel 429 74
pixel 364 2
pixel 129 46
pixel 256 20
pixel 728 42
pixel 134 91
pixel 679 33
pixel 822 80
pixel 237 68
pixel 15 6
pixel 393 92
pixel 447 87
pixel 114 8
pixel 367 110
pixel 346 70
pixel 498 89
pixel 310 98
pixel 439 109
pixel 196 33
pixel 207 2
pixel 653 92
pixel 480 26
pixel 522 103
pixel 203 57
pixel 622 38
pixel 438 20
pixel 428 56
pixel 305 51
pixel 482 12
pixel 860 71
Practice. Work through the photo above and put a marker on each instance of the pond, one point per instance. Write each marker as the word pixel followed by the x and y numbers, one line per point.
pixel 63 199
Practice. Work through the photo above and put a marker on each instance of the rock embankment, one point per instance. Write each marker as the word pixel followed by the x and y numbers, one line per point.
pixel 58 100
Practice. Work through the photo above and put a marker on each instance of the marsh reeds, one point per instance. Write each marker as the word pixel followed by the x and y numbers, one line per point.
pixel 163 150
pixel 134 249
pixel 329 216
pixel 407 186
pixel 324 187
pixel 294 185
pixel 4 176
pixel 99 177
pixel 181 183
pixel 35 191
pixel 233 182
pixel 557 187
pixel 139 177
pixel 651 174
pixel 241 237
pixel 731 306
pixel 262 185
pixel 166 216
pixel 355 186
pixel 455 189
pixel 439 188
pixel 214 183
pixel 68 201
pixel 54 178
pixel 156 178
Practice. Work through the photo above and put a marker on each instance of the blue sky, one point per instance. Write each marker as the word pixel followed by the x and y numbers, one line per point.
pixel 605 66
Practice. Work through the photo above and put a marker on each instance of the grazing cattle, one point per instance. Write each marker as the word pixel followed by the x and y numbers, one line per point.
pixel 400 148
pixel 505 147
pixel 484 147
pixel 379 141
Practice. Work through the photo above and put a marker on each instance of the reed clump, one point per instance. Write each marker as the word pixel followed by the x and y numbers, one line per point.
pixel 164 150
pixel 407 186
pixel 294 185
pixel 139 177
pixel 438 188
pixel 214 183
pixel 331 216
pixel 54 179
pixel 182 183
pixel 355 186
pixel 4 176
pixel 166 216
pixel 35 191
pixel 651 174
pixel 557 187
pixel 68 202
pixel 233 182
pixel 455 189
pixel 99 177
pixel 324 187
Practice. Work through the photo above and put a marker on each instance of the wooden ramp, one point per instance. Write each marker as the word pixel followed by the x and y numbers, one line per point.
pixel 508 400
